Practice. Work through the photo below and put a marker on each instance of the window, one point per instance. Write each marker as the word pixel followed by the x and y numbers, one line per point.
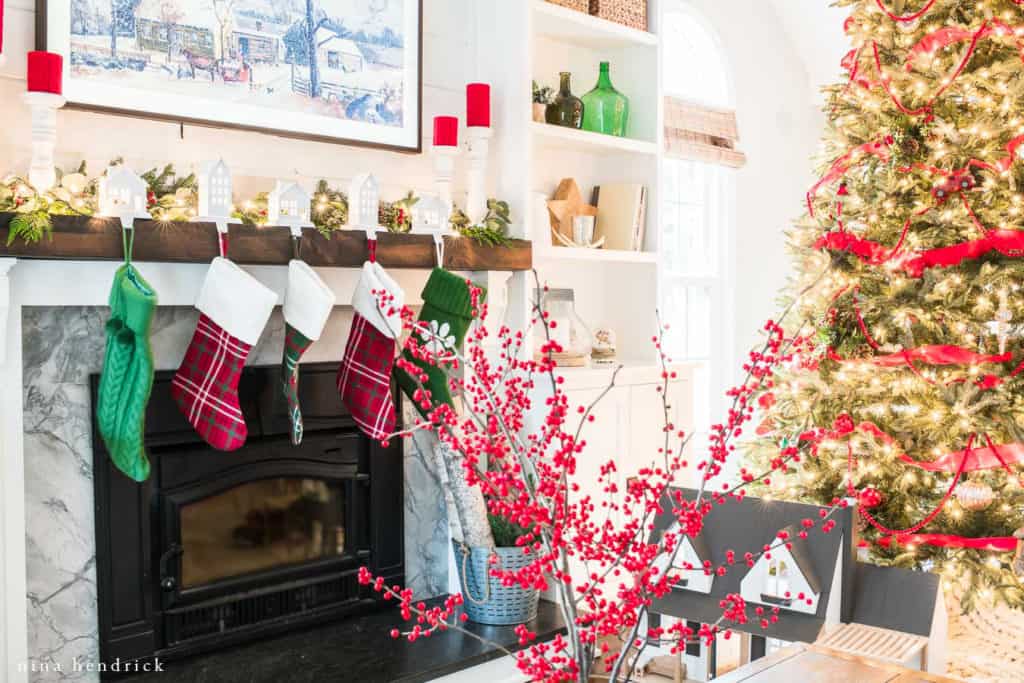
pixel 333 60
pixel 697 199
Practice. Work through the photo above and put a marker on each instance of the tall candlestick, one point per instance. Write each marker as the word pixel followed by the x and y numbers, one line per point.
pixel 479 148
pixel 45 72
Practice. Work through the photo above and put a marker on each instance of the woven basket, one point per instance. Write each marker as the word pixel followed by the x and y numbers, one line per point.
pixel 485 600
pixel 632 13
pixel 578 5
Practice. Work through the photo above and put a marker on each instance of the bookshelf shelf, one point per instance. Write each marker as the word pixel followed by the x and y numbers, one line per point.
pixel 583 30
pixel 586 142
pixel 555 254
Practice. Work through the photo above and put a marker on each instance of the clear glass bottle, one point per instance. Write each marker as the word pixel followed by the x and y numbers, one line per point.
pixel 567 109
pixel 605 109
pixel 571 333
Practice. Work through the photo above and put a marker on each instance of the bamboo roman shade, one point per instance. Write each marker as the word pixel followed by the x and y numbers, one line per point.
pixel 698 133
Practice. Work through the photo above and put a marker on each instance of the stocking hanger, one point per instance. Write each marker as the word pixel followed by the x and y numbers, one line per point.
pixel 371 244
pixel 296 242
pixel 439 248
pixel 222 238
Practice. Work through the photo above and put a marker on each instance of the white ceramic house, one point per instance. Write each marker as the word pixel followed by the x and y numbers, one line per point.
pixel 430 215
pixel 215 190
pixel 363 202
pixel 288 205
pixel 122 193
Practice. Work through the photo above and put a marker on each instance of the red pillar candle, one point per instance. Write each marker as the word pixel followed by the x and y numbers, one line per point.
pixel 446 131
pixel 45 72
pixel 478 105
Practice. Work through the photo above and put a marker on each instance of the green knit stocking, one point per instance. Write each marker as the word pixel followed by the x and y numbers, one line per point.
pixel 448 313
pixel 127 376
pixel 295 344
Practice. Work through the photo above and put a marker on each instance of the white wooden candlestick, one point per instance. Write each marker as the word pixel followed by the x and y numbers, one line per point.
pixel 44 106
pixel 444 171
pixel 479 148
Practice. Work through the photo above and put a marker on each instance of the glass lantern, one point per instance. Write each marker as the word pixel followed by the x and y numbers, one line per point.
pixel 571 333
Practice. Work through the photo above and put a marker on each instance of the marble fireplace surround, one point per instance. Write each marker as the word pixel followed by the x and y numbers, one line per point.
pixel 51 335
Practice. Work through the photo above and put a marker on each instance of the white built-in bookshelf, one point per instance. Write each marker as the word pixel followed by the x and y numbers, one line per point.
pixel 537 41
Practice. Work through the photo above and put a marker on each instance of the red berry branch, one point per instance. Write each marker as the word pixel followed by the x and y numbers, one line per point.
pixel 594 551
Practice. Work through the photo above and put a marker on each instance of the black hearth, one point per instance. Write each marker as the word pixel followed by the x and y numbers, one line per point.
pixel 221 548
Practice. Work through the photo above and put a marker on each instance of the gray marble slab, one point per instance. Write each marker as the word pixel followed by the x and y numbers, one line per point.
pixel 62 348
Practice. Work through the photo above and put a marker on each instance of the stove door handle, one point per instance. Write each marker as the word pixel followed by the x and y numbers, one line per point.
pixel 168 581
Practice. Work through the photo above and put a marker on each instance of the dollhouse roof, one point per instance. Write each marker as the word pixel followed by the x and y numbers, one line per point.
pixel 896 599
pixel 748 525
pixel 700 546
pixel 801 555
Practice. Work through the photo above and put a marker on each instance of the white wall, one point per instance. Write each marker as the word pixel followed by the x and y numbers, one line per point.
pixel 779 130
pixel 449 59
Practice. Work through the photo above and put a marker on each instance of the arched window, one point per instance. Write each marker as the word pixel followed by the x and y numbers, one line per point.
pixel 697 201
pixel 695 66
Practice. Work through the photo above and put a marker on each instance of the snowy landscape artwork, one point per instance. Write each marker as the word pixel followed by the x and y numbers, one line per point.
pixel 346 70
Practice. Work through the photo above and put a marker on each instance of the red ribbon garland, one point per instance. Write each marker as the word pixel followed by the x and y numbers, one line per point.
pixel 843 164
pixel 1009 243
pixel 907 18
pixel 958 463
pixel 999 544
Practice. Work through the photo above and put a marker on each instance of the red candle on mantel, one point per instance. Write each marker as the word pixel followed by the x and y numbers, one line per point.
pixel 45 72
pixel 478 105
pixel 446 131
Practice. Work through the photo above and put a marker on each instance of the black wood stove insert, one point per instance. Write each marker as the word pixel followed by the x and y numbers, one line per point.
pixel 221 548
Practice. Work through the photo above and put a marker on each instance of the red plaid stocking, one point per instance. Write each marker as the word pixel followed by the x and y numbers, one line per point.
pixel 235 308
pixel 364 378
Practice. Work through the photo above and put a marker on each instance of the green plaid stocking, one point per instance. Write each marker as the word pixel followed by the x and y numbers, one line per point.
pixel 295 344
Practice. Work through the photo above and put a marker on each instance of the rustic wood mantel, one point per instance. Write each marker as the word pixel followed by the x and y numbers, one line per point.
pixel 90 238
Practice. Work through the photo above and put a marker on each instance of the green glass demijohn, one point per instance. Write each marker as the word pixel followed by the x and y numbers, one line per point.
pixel 567 109
pixel 605 109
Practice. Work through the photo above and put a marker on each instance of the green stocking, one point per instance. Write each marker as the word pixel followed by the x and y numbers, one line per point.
pixel 448 311
pixel 127 376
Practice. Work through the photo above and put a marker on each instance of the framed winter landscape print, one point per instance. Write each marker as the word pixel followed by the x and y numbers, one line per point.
pixel 346 71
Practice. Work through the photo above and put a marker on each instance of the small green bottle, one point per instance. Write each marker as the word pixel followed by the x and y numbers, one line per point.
pixel 605 109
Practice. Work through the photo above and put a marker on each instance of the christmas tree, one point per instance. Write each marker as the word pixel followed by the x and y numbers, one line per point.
pixel 910 262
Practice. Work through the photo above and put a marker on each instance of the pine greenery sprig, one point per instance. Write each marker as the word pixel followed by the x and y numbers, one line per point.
pixel 31 227
pixel 492 232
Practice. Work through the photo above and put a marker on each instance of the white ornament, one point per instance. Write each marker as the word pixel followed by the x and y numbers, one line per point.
pixel 122 194
pixel 289 205
pixel 430 215
pixel 364 202
pixel 44 106
pixel 214 191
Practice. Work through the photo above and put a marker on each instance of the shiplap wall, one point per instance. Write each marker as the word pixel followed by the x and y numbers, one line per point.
pixel 448 64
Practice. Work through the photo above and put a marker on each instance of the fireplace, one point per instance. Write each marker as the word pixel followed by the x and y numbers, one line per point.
pixel 220 548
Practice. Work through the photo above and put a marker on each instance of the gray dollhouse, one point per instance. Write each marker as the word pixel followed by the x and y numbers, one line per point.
pixel 823 593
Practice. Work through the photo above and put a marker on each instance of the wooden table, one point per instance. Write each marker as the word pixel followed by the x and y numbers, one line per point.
pixel 815 664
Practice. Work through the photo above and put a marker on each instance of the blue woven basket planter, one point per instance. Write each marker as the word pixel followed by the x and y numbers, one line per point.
pixel 485 600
